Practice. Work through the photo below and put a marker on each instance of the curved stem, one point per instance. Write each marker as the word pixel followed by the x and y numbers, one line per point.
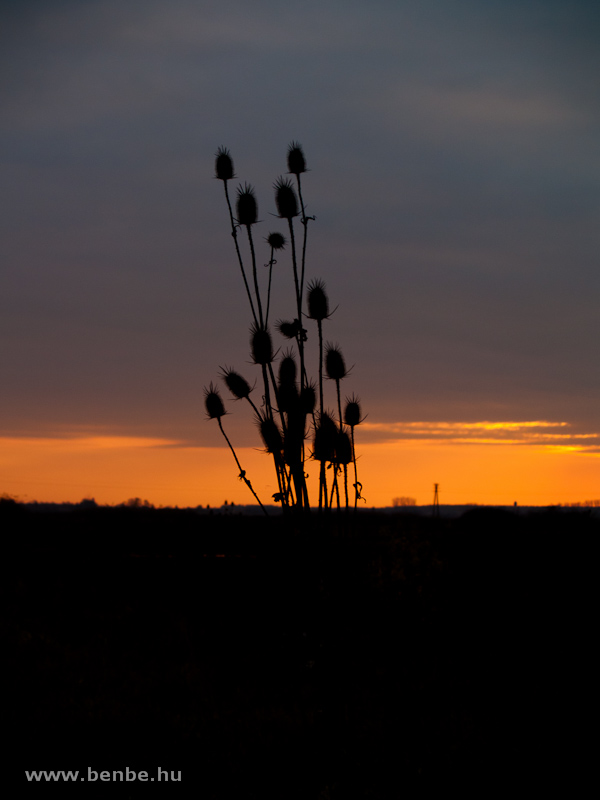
pixel 256 290
pixel 305 223
pixel 322 475
pixel 283 428
pixel 242 472
pixel 269 414
pixel 271 262
pixel 237 250
pixel 320 326
pixel 337 385
pixel 300 339
pixel 355 472
pixel 253 405
pixel 322 486
pixel 268 406
pixel 298 303
pixel 336 488
pixel 276 390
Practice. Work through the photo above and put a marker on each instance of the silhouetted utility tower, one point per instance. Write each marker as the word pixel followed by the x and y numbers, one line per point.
pixel 435 511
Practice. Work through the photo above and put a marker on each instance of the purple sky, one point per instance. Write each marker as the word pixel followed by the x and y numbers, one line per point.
pixel 454 157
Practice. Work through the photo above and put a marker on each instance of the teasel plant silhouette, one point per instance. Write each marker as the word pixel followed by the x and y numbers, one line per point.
pixel 288 408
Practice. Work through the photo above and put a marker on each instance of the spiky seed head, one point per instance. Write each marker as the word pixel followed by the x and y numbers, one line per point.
pixel 223 165
pixel 261 345
pixel 246 205
pixel 287 369
pixel 295 159
pixel 213 403
pixel 308 398
pixel 334 362
pixel 277 241
pixel 288 329
pixel 343 448
pixel 325 438
pixel 270 434
pixel 237 385
pixel 352 412
pixel 285 198
pixel 327 421
pixel 318 302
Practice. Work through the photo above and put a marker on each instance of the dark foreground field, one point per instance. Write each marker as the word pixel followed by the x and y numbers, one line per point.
pixel 326 660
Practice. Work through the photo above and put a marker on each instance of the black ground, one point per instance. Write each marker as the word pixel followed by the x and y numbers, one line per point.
pixel 340 658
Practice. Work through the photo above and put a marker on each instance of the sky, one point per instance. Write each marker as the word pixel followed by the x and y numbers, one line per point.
pixel 454 170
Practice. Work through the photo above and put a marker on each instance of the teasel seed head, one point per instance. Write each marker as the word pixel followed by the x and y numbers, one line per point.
pixel 224 165
pixel 287 369
pixel 352 412
pixel 277 241
pixel 213 403
pixel 334 362
pixel 261 345
pixel 295 159
pixel 285 198
pixel 287 391
pixel 246 205
pixel 237 385
pixel 308 398
pixel 325 438
pixel 317 300
pixel 288 329
pixel 270 434
pixel 343 448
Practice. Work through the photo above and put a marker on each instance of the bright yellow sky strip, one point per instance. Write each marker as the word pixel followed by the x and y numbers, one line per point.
pixel 399 427
pixel 482 470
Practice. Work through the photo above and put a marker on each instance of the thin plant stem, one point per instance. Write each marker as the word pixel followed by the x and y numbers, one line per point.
pixel 281 476
pixel 242 472
pixel 346 483
pixel 289 490
pixel 320 327
pixel 268 406
pixel 237 250
pixel 260 314
pixel 257 412
pixel 355 472
pixel 271 262
pixel 305 223
pixel 253 405
pixel 322 486
pixel 335 487
pixel 337 385
pixel 269 415
pixel 322 476
pixel 298 302
pixel 284 427
pixel 282 418
pixel 300 338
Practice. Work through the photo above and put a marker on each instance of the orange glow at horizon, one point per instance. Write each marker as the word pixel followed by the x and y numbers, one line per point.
pixel 112 469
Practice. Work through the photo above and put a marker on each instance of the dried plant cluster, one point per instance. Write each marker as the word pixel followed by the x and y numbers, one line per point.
pixel 294 424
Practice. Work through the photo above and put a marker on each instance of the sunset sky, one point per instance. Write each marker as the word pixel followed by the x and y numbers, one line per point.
pixel 453 149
